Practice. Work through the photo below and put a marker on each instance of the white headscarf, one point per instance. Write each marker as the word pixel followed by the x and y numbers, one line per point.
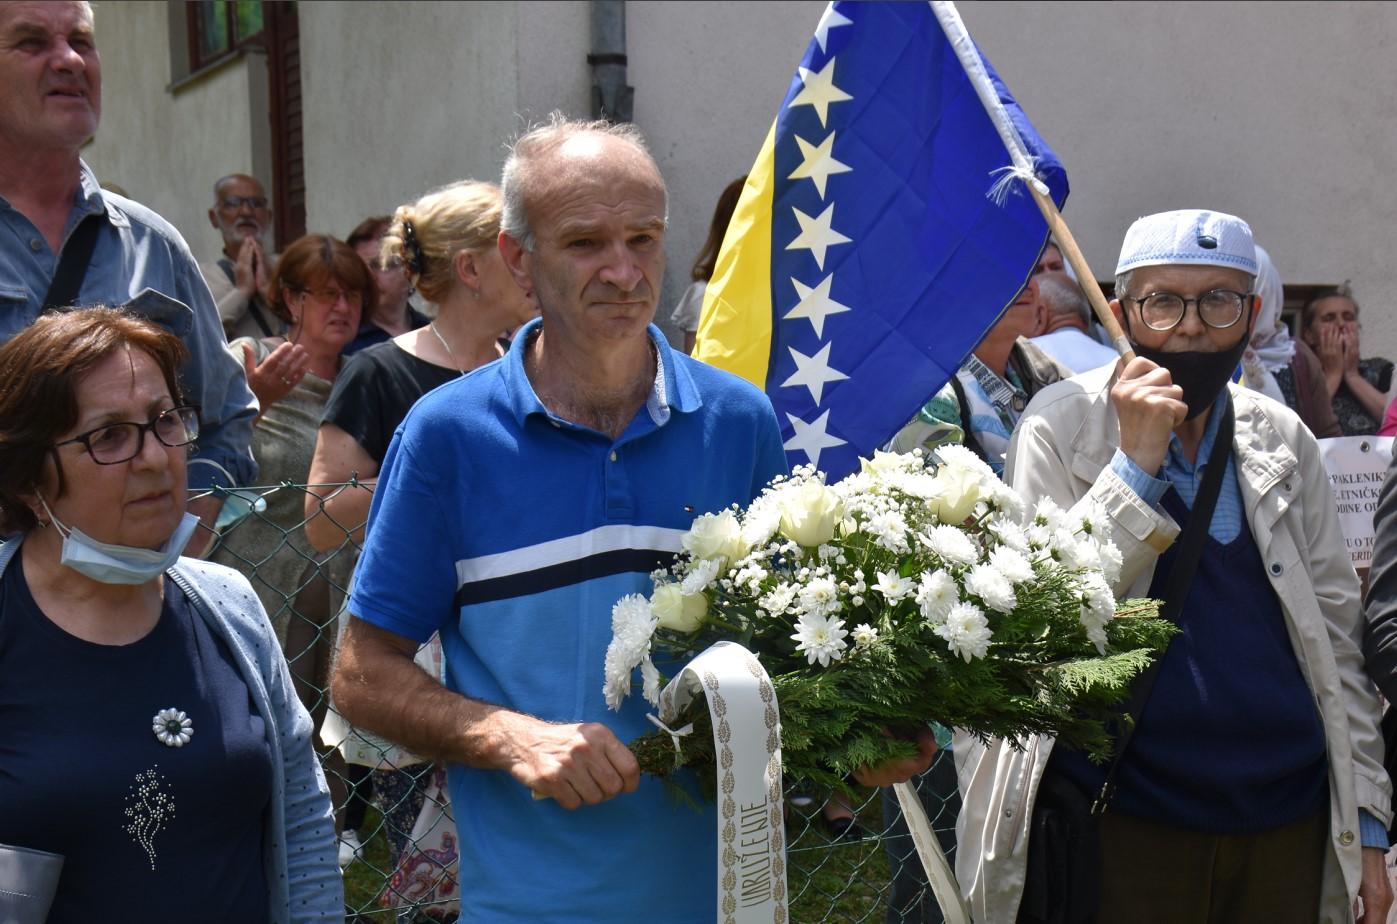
pixel 1271 348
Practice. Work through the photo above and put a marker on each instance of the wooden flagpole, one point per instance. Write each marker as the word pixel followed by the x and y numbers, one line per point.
pixel 1068 245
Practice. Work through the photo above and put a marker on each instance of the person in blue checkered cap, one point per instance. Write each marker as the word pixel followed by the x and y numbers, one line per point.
pixel 1252 788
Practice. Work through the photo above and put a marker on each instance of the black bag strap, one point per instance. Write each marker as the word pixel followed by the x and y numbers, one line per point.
pixel 72 264
pixel 1191 543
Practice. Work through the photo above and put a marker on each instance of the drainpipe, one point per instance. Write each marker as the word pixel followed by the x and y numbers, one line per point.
pixel 611 97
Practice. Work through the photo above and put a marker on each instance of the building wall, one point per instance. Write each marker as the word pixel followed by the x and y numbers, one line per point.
pixel 166 150
pixel 1275 111
pixel 403 97
pixel 1278 112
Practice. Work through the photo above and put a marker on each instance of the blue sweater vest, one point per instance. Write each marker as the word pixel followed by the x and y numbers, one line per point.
pixel 1231 740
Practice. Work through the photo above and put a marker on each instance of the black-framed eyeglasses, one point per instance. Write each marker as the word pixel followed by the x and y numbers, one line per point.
pixel 1220 308
pixel 233 203
pixel 120 442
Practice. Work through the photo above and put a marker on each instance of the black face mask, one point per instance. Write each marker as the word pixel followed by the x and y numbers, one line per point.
pixel 1202 376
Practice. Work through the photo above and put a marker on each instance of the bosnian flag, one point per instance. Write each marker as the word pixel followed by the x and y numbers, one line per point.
pixel 878 236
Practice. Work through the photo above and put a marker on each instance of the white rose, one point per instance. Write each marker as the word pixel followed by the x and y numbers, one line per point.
pixel 810 512
pixel 958 490
pixel 715 535
pixel 677 610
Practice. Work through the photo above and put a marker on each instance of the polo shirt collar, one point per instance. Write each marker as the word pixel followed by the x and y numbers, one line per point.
pixel 673 390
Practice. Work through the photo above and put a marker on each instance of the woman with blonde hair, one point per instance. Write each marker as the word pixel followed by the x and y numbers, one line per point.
pixel 447 241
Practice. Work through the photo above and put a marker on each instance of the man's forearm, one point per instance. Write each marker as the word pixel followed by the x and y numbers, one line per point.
pixel 381 689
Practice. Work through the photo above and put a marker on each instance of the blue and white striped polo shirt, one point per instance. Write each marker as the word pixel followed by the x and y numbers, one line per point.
pixel 513 532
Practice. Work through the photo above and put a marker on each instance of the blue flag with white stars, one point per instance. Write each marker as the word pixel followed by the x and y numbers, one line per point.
pixel 866 257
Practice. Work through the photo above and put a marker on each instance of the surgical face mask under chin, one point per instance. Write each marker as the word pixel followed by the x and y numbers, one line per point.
pixel 107 563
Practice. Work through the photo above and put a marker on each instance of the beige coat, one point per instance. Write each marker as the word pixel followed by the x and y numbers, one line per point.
pixel 1062 449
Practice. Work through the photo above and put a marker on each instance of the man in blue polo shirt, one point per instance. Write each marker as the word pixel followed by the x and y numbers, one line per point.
pixel 533 494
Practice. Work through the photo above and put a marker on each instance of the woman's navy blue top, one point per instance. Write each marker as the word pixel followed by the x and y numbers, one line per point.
pixel 148 832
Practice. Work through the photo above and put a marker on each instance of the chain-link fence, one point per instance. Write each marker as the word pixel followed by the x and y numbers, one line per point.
pixel 850 859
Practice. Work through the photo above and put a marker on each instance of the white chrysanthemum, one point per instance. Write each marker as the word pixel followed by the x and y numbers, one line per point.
pixel 865 636
pixel 760 522
pixel 951 545
pixel 991 586
pixel 700 576
pixel 966 631
pixel 632 625
pixel 1100 600
pixel 651 676
pixel 1012 564
pixel 820 597
pixel 1006 499
pixel 820 638
pixel 954 454
pixel 936 594
pixel 1098 606
pixel 1039 536
pixel 1093 518
pixel 1076 552
pixel 1111 560
pixel 1047 512
pixel 1010 534
pixel 892 587
pixel 778 600
pixel 889 530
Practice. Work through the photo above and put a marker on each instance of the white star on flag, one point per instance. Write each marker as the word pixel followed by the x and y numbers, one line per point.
pixel 832 19
pixel 811 438
pixel 815 304
pixel 818 163
pixel 819 90
pixel 817 234
pixel 813 372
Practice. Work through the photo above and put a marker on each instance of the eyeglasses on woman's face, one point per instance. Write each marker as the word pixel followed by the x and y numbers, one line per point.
pixel 113 443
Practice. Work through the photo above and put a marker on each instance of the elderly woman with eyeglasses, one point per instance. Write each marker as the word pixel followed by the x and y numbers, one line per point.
pixel 149 733
pixel 321 288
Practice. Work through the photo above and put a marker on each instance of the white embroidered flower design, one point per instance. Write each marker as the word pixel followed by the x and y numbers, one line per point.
pixel 172 728
pixel 149 807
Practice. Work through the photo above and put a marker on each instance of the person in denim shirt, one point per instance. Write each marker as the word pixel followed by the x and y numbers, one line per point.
pixel 50 105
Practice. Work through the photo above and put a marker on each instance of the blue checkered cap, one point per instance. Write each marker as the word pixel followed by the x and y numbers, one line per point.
pixel 1189 236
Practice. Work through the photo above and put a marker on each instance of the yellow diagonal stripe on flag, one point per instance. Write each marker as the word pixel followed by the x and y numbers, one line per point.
pixel 735 328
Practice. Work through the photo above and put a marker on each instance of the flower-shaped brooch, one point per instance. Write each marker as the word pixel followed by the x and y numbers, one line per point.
pixel 172 728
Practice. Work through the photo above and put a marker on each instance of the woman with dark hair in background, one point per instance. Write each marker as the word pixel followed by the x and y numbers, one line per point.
pixel 686 313
pixel 150 734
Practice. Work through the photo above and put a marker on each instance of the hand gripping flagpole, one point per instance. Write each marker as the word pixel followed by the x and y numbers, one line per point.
pixel 1022 169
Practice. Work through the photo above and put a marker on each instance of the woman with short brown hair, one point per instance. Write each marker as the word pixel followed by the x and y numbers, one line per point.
pixel 149 732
